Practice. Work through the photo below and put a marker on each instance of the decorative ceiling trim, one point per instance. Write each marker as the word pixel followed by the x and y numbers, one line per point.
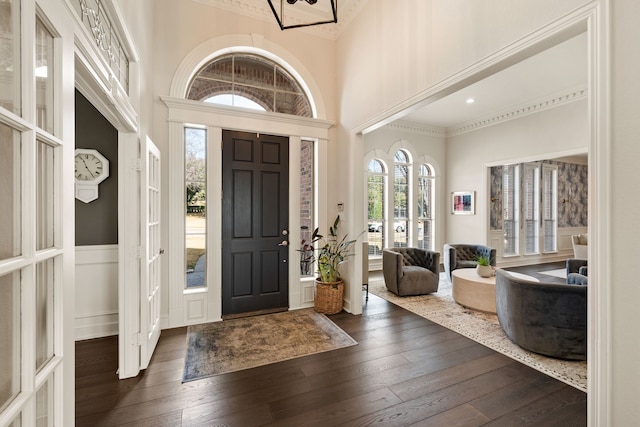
pixel 520 111
pixel 420 128
pixel 260 9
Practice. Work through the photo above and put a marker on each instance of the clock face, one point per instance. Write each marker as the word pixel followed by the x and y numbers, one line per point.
pixel 88 167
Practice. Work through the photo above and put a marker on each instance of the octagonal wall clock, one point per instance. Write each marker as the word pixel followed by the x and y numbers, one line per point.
pixel 91 168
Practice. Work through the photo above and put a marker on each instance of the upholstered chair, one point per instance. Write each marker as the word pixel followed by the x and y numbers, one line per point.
pixel 411 271
pixel 580 243
pixel 465 256
pixel 545 318
pixel 577 271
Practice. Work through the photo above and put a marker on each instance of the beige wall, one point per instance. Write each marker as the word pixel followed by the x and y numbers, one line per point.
pixel 625 212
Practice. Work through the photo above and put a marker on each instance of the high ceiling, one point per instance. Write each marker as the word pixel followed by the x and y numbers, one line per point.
pixel 558 73
pixel 552 74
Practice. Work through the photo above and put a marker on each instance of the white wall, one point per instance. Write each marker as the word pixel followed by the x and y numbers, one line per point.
pixel 545 135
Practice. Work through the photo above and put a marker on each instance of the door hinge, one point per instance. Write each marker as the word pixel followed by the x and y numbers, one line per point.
pixel 136 165
pixel 137 339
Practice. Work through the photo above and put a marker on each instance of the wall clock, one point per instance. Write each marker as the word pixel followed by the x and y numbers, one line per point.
pixel 91 169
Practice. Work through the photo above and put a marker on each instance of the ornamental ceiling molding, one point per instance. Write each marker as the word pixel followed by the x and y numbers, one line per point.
pixel 347 11
pixel 419 128
pixel 521 111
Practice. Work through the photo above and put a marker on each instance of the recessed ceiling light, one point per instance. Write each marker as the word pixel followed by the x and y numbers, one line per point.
pixel 470 101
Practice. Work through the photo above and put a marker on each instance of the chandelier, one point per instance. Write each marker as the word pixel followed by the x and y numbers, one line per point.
pixel 303 13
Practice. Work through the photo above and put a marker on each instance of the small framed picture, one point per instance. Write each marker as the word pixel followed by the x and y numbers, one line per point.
pixel 463 203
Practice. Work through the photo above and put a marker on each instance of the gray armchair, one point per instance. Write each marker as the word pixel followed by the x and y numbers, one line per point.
pixel 411 271
pixel 545 318
pixel 465 256
pixel 577 271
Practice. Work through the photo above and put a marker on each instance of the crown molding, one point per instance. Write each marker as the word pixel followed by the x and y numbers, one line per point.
pixel 517 112
pixel 419 128
pixel 259 9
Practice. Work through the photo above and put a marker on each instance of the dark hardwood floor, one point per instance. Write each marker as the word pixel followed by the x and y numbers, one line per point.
pixel 406 370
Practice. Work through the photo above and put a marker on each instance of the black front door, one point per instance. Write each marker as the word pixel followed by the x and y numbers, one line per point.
pixel 255 221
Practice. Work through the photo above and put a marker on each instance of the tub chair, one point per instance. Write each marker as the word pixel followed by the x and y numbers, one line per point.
pixel 545 318
pixel 411 271
pixel 465 256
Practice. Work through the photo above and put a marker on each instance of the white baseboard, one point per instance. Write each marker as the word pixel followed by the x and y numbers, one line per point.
pixel 96 326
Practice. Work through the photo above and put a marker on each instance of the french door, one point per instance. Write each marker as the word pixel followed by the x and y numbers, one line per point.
pixel 36 215
pixel 150 283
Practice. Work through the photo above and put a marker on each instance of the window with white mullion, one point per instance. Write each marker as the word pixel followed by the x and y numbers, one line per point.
pixel 531 198
pixel 400 229
pixel 425 206
pixel 511 212
pixel 376 206
pixel 550 207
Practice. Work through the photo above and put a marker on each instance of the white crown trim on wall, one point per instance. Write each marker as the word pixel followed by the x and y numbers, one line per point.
pixel 420 128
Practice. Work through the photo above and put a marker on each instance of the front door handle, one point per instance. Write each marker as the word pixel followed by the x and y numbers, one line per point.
pixel 283 243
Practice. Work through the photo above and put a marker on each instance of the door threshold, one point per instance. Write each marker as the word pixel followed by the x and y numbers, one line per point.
pixel 254 313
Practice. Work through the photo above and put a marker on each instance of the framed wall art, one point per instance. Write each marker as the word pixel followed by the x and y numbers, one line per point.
pixel 463 203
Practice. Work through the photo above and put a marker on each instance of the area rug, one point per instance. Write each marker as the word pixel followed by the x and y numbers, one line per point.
pixel 560 272
pixel 481 327
pixel 233 345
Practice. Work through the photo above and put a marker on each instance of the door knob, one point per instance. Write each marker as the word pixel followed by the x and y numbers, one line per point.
pixel 283 243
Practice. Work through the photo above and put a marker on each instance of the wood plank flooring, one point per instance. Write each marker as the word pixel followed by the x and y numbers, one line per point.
pixel 405 371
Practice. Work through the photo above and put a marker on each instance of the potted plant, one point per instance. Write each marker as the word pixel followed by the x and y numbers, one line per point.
pixel 484 268
pixel 329 252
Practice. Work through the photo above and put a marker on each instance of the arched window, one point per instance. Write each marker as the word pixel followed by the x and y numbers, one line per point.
pixel 376 189
pixel 250 81
pixel 426 186
pixel 401 198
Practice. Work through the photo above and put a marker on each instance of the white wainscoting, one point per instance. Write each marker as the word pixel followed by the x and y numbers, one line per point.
pixel 565 250
pixel 96 291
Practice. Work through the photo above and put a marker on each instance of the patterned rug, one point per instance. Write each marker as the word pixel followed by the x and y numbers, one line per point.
pixel 481 327
pixel 232 345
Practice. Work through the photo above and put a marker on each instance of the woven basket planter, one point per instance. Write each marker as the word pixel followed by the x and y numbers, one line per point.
pixel 328 297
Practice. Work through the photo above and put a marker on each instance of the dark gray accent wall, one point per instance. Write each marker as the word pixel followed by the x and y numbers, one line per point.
pixel 97 222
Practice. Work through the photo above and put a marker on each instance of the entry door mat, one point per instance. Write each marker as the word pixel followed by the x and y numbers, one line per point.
pixel 481 327
pixel 237 344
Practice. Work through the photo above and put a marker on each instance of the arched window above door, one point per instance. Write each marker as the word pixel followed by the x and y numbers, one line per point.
pixel 249 81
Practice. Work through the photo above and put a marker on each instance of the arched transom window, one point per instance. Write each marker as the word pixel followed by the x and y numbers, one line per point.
pixel 250 81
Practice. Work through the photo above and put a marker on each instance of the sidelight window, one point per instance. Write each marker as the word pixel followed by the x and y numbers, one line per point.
pixel 195 179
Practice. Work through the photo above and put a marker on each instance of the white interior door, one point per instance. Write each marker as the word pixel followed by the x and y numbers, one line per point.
pixel 150 261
